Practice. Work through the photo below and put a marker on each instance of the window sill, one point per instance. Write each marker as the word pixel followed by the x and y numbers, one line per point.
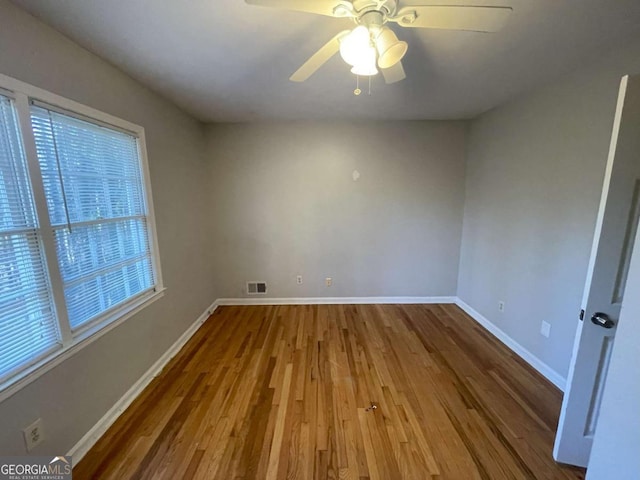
pixel 87 337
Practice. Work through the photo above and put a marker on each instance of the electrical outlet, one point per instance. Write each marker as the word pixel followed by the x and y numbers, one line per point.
pixel 299 279
pixel 328 281
pixel 545 329
pixel 33 435
pixel 501 306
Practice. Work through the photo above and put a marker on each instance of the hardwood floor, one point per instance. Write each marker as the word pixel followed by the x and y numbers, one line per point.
pixel 282 392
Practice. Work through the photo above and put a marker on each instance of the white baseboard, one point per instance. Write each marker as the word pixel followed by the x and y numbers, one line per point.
pixel 80 449
pixel 544 369
pixel 333 300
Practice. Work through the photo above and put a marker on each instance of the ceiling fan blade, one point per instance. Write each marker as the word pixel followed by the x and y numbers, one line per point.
pixel 454 17
pixel 318 59
pixel 321 7
pixel 393 74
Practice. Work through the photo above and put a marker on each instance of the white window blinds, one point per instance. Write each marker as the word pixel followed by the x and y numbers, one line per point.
pixel 78 247
pixel 28 325
pixel 94 191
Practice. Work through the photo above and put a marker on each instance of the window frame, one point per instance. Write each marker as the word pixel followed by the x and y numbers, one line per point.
pixel 23 95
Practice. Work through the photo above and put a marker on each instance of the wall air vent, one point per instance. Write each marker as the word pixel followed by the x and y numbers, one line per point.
pixel 256 288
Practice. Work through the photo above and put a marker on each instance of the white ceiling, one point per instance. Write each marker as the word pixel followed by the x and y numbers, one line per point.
pixel 225 61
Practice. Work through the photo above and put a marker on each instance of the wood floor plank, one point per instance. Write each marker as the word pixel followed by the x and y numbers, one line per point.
pixel 276 445
pixel 285 392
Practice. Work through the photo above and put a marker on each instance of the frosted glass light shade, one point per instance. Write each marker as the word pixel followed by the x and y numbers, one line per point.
pixel 366 65
pixel 355 45
pixel 390 49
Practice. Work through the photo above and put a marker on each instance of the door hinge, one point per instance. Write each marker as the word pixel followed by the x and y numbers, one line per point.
pixel 581 314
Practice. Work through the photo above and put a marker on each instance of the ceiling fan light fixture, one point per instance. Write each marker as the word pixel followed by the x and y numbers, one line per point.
pixel 370 18
pixel 356 45
pixel 390 49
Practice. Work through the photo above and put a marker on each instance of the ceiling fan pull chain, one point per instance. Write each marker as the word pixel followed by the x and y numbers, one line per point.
pixel 369 86
pixel 357 91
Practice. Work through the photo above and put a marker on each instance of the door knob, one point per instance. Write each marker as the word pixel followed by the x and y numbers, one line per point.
pixel 603 320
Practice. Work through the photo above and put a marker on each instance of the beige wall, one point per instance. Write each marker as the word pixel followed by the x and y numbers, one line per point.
pixel 73 396
pixel 284 203
pixel 534 176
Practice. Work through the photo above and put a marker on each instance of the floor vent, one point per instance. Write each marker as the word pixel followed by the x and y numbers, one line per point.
pixel 256 288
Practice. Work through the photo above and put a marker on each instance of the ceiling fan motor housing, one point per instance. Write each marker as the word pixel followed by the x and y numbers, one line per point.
pixel 383 8
pixel 387 7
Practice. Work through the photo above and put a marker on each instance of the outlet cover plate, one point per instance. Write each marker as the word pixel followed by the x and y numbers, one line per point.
pixel 545 329
pixel 33 435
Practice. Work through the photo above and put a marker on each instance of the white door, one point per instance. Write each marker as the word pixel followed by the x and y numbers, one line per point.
pixel 606 279
pixel 616 448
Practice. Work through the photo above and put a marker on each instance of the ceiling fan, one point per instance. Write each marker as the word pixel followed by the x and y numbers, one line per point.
pixel 372 44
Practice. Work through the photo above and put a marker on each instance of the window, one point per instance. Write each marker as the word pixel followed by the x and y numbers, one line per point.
pixel 78 249
pixel 28 326
pixel 92 183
